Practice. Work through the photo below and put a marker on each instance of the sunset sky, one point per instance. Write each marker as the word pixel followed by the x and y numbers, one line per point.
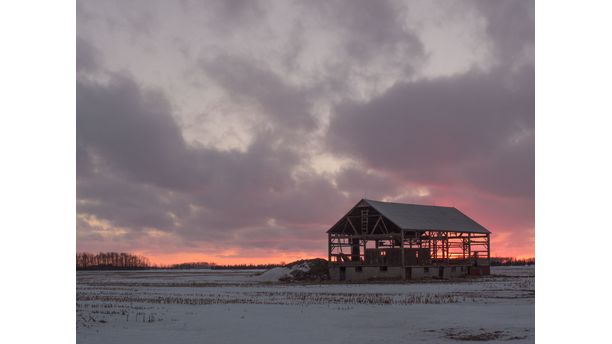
pixel 240 131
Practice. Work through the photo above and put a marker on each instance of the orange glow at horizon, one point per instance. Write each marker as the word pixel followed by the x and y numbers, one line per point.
pixel 191 257
pixel 287 257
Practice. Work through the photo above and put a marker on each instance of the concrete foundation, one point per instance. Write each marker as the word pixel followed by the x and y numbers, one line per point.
pixel 365 273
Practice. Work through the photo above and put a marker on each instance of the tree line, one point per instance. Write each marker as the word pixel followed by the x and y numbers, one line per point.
pixel 128 261
pixel 508 261
pixel 214 266
pixel 111 260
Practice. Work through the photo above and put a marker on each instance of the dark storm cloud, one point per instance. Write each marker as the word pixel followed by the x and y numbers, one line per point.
pixel 86 56
pixel 226 15
pixel 428 130
pixel 509 171
pixel 511 26
pixel 365 33
pixel 366 30
pixel 370 28
pixel 135 131
pixel 366 185
pixel 284 104
pixel 129 204
pixel 475 128
pixel 140 172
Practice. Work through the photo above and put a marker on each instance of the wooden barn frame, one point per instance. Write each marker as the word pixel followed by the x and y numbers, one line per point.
pixel 407 241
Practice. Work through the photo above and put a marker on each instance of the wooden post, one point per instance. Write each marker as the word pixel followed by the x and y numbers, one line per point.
pixel 447 247
pixel 329 248
pixel 469 249
pixel 403 254
pixel 489 248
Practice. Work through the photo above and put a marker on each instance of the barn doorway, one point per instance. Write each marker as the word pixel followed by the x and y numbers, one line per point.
pixel 409 273
pixel 342 273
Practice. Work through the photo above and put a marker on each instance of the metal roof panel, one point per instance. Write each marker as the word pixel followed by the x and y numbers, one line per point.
pixel 427 217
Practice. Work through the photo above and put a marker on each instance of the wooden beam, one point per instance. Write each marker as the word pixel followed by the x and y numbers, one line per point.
pixel 403 254
pixel 329 247
pixel 385 225
pixel 349 221
pixel 376 224
pixel 489 248
pixel 369 236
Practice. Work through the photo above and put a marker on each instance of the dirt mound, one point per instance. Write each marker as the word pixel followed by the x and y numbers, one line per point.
pixel 307 270
pixel 301 270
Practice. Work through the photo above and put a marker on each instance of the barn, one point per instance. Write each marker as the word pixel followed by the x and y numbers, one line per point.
pixel 384 240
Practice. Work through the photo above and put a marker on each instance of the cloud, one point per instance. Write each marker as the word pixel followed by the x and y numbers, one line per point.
pixel 87 59
pixel 134 130
pixel 370 29
pixel 511 28
pixel 285 105
pixel 446 129
pixel 474 128
pixel 248 125
pixel 138 173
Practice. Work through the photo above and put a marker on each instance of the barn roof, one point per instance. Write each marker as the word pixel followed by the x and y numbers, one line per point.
pixel 426 217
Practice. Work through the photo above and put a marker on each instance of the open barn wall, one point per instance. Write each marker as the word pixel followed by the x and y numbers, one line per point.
pixel 457 248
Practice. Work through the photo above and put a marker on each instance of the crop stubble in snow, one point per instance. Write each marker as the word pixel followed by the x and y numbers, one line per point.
pixel 232 306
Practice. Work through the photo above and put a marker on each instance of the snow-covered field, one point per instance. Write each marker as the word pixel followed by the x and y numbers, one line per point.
pixel 205 306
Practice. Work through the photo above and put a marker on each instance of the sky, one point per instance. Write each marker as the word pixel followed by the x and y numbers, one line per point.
pixel 239 131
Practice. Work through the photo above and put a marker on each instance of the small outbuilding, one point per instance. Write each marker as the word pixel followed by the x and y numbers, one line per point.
pixel 384 240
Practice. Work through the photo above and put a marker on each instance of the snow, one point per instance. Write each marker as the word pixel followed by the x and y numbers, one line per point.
pixel 240 306
pixel 280 273
pixel 273 275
